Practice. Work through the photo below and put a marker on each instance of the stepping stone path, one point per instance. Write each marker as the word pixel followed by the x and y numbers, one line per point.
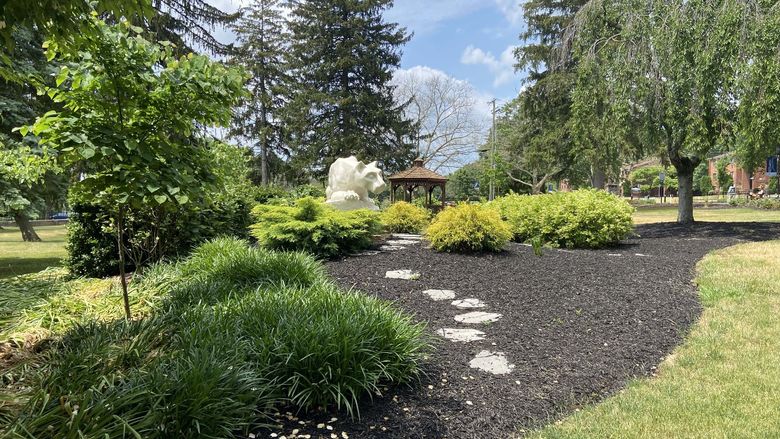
pixel 406 236
pixel 469 303
pixel 440 294
pixel 493 362
pixel 402 242
pixel 477 317
pixel 402 274
pixel 463 335
pixel 391 248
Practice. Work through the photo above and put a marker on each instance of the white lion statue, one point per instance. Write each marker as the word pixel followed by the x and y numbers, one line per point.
pixel 350 181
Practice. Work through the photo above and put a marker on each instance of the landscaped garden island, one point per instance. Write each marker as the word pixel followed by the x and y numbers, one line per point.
pixel 197 238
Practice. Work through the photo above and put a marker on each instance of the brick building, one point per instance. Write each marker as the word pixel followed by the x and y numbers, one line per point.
pixel 740 176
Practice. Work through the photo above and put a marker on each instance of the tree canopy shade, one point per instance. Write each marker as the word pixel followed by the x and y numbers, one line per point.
pixel 679 73
pixel 129 125
pixel 342 57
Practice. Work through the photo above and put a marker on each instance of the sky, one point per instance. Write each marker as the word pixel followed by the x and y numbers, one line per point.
pixel 469 40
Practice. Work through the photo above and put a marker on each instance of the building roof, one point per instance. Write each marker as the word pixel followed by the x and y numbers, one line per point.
pixel 417 173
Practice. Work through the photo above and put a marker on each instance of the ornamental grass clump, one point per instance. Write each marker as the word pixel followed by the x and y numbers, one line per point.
pixel 237 333
pixel 579 219
pixel 468 228
pixel 314 227
pixel 403 217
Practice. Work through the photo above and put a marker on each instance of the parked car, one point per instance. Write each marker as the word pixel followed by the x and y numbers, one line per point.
pixel 59 216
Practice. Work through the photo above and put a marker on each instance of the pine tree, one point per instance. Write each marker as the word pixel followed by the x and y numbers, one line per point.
pixel 342 55
pixel 262 43
pixel 546 101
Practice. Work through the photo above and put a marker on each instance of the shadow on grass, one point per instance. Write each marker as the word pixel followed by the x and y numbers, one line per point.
pixel 10 267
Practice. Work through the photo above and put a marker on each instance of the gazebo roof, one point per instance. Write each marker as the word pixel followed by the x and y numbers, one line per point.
pixel 417 173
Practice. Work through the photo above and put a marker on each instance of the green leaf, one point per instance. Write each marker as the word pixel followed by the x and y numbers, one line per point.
pixel 182 199
pixel 160 199
pixel 152 188
pixel 87 153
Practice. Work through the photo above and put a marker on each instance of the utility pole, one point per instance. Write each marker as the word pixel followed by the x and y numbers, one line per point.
pixel 492 194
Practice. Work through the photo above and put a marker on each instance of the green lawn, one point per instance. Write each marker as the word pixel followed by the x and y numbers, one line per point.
pixel 660 215
pixel 19 257
pixel 724 380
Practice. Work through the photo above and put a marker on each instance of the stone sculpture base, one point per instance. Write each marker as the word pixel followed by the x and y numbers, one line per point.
pixel 353 204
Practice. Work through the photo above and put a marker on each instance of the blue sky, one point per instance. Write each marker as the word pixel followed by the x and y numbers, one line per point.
pixel 469 40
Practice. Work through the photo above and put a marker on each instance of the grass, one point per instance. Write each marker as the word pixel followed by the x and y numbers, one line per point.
pixel 19 257
pixel 723 381
pixel 232 332
pixel 660 215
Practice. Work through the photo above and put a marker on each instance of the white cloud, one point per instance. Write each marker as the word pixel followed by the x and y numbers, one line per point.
pixel 502 68
pixel 512 10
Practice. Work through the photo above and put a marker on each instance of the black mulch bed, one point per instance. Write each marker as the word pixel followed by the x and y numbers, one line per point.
pixel 577 325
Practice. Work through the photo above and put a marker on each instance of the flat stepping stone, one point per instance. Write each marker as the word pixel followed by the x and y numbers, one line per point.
pixel 461 335
pixel 406 236
pixel 469 303
pixel 440 294
pixel 492 362
pixel 402 274
pixel 402 242
pixel 391 248
pixel 477 317
pixel 368 253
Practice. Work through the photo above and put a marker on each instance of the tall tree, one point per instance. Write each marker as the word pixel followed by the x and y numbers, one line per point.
pixel 530 147
pixel 343 55
pixel 444 110
pixel 131 126
pixel 546 100
pixel 24 171
pixel 262 44
pixel 674 69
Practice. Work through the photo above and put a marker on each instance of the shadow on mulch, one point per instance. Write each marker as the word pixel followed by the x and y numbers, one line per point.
pixel 577 325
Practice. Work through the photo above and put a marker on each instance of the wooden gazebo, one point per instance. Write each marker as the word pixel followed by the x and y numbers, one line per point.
pixel 414 177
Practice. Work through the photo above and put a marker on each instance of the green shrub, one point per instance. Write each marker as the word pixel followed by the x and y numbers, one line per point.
pixel 238 333
pixel 314 227
pixel 468 228
pixel 151 234
pixel 402 217
pixel 579 219
pixel 760 203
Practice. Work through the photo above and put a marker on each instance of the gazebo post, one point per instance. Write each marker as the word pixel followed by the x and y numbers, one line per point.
pixel 443 197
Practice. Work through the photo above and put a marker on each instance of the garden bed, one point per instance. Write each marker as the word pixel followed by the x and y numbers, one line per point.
pixel 576 325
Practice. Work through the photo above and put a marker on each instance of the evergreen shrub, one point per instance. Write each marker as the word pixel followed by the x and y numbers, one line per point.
pixel 314 227
pixel 468 228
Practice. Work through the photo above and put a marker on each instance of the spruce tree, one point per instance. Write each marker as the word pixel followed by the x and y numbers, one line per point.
pixel 262 42
pixel 343 55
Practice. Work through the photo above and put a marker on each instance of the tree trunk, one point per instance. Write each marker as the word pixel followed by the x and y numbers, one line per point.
pixel 28 233
pixel 598 178
pixel 120 235
pixel 685 192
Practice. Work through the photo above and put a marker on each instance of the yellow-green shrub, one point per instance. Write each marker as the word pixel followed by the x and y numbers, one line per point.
pixel 314 227
pixel 468 228
pixel 580 219
pixel 403 217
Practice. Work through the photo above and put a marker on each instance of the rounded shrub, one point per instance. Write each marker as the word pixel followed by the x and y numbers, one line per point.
pixel 581 219
pixel 468 228
pixel 314 227
pixel 403 217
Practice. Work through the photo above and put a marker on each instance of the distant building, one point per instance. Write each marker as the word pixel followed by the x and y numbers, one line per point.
pixel 740 176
